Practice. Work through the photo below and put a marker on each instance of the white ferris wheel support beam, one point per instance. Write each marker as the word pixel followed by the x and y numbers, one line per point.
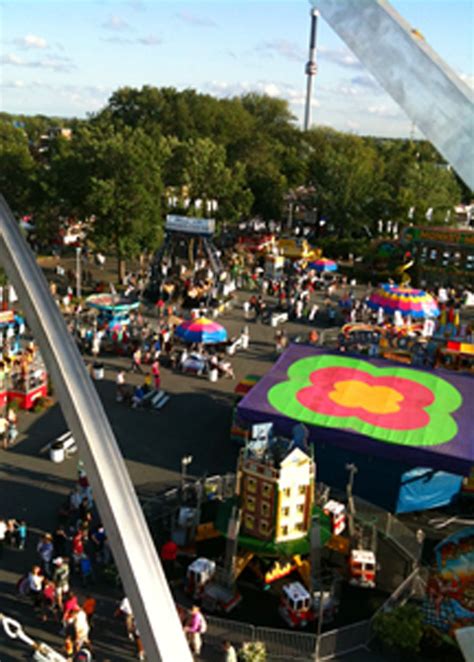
pixel 132 546
pixel 424 86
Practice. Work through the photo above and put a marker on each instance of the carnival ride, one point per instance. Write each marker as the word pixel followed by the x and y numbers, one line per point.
pixel 113 310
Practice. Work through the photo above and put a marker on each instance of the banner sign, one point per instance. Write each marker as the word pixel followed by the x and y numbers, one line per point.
pixel 190 225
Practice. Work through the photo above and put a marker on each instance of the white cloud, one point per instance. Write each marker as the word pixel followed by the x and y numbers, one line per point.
pixel 116 24
pixel 195 19
pixel 339 56
pixel 352 125
pixel 150 40
pixel 54 63
pixel 282 48
pixel 31 41
pixel 13 84
pixel 11 58
pixel 294 96
pixel 385 110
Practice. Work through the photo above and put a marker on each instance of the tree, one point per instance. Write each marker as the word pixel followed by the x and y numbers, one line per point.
pixel 207 177
pixel 117 172
pixel 400 628
pixel 17 168
pixel 345 173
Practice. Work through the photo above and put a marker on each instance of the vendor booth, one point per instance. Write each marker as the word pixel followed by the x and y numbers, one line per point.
pixel 388 419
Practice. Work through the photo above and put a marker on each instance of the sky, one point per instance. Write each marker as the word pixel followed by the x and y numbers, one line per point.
pixel 66 58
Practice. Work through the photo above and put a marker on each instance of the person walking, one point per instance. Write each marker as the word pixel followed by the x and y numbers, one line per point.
pixel 61 579
pixel 120 386
pixel 155 371
pixel 137 361
pixel 22 532
pixel 194 630
pixel 45 550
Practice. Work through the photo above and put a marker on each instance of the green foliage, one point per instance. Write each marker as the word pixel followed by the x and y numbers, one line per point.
pixel 401 628
pixel 16 167
pixel 253 651
pixel 245 152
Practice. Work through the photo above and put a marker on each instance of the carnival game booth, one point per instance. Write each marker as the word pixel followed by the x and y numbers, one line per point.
pixel 26 384
pixel 409 431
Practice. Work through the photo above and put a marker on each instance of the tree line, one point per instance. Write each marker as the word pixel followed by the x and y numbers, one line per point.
pixel 152 150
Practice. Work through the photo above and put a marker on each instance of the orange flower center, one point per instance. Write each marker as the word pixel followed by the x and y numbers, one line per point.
pixel 355 394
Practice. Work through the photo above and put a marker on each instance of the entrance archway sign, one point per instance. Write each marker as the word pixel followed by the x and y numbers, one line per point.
pixel 133 549
pixel 428 90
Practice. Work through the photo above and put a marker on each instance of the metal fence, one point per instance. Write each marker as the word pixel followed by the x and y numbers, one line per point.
pixel 343 640
pixel 279 644
pixel 392 528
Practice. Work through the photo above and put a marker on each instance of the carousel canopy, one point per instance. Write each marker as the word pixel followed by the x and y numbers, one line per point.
pixel 323 264
pixel 407 300
pixel 111 303
pixel 201 330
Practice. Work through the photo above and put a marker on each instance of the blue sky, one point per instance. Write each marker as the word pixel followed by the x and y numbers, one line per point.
pixel 65 58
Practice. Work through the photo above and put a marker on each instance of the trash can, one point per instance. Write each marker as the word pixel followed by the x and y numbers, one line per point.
pixel 213 375
pixel 98 370
pixel 56 452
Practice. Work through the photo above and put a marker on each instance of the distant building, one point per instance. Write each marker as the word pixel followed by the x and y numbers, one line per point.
pixel 276 493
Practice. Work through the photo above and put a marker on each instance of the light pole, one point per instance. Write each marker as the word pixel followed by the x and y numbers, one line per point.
pixel 185 462
pixel 350 501
pixel 78 272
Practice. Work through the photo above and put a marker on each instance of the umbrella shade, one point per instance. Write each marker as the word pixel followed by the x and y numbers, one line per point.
pixel 323 264
pixel 409 301
pixel 201 330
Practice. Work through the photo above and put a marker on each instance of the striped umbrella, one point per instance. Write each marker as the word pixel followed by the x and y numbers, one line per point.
pixel 323 264
pixel 201 330
pixel 409 301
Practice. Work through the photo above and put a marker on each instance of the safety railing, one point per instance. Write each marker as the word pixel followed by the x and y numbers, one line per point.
pixel 342 641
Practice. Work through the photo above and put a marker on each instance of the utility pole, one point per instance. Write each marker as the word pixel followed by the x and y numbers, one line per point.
pixel 311 67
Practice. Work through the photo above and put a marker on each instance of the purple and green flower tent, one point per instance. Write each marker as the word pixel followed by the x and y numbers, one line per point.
pixel 372 407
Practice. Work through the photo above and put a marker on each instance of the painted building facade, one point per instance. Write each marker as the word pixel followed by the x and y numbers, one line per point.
pixel 276 499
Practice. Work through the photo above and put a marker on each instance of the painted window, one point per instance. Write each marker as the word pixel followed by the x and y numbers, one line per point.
pixel 249 521
pixel 250 503
pixel 266 489
pixel 251 484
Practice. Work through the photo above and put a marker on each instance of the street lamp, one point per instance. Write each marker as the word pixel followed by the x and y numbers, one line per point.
pixel 185 462
pixel 78 272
